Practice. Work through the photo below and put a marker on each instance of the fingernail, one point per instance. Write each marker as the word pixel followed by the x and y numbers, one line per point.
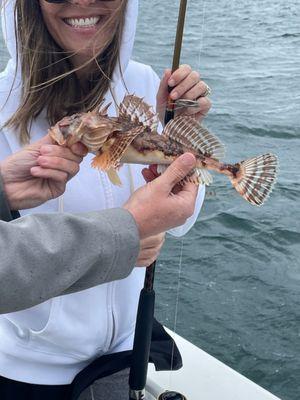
pixel 46 149
pixel 174 95
pixel 171 82
pixel 188 159
pixel 42 160
pixel 34 170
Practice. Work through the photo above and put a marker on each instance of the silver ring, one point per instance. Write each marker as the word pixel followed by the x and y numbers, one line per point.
pixel 207 91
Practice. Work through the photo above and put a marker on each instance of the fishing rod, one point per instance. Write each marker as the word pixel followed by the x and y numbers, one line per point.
pixel 145 313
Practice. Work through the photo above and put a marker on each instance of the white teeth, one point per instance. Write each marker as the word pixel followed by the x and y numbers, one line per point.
pixel 82 22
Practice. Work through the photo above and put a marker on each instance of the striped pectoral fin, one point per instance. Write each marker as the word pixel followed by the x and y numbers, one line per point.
pixel 111 153
pixel 188 132
pixel 255 178
pixel 102 162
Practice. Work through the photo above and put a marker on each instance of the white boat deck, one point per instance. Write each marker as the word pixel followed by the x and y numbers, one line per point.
pixel 203 377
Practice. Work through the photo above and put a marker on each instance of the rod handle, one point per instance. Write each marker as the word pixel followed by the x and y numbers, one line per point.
pixel 142 341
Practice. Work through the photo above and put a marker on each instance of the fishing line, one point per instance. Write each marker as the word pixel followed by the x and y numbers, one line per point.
pixel 202 34
pixel 92 392
pixel 176 306
pixel 182 240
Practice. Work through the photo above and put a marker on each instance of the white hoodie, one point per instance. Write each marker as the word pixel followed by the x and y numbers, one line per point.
pixel 52 342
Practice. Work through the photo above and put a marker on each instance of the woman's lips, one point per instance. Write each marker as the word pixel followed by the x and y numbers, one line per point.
pixel 83 23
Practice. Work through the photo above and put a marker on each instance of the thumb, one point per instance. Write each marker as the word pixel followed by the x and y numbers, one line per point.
pixel 46 140
pixel 37 145
pixel 177 171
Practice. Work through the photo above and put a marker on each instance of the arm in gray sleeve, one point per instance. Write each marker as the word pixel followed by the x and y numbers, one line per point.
pixel 46 255
pixel 42 256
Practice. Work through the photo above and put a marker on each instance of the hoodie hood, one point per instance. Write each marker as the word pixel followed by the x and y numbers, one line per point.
pixel 11 79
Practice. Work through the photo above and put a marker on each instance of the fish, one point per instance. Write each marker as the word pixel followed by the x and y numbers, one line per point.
pixel 132 137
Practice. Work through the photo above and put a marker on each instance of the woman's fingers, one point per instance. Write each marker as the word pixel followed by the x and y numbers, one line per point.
pixel 195 92
pixel 59 164
pixel 150 248
pixel 179 75
pixel 202 110
pixel 191 88
pixel 52 174
pixel 62 159
pixel 186 84
pixel 153 242
pixel 204 105
pixel 64 152
pixel 147 259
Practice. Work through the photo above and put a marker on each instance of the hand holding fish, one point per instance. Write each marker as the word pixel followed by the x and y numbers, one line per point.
pixel 156 208
pixel 185 84
pixel 39 172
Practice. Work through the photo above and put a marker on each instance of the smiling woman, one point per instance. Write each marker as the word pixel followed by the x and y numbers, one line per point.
pixel 65 40
pixel 83 31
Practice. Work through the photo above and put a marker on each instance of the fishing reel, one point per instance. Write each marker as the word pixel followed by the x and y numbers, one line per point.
pixel 169 395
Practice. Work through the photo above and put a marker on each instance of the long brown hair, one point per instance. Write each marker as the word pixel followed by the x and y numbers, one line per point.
pixel 49 80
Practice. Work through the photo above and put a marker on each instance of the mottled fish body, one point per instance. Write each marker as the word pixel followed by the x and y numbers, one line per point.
pixel 132 138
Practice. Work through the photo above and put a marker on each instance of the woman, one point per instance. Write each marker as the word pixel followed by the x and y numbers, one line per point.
pixel 70 56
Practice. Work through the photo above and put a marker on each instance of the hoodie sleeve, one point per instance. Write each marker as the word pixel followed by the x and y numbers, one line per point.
pixel 48 255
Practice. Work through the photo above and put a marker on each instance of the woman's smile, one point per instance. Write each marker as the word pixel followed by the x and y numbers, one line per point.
pixel 74 26
pixel 83 22
pixel 81 25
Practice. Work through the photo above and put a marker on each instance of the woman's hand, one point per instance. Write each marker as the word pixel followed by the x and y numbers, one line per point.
pixel 186 84
pixel 39 172
pixel 149 249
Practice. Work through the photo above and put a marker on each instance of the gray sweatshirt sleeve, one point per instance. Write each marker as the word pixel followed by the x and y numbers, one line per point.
pixel 47 255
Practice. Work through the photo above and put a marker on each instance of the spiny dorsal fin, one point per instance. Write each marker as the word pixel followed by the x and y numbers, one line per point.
pixel 188 132
pixel 137 111
pixel 103 111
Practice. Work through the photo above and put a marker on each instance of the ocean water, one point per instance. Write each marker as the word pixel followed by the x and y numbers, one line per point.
pixel 232 284
pixel 238 285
